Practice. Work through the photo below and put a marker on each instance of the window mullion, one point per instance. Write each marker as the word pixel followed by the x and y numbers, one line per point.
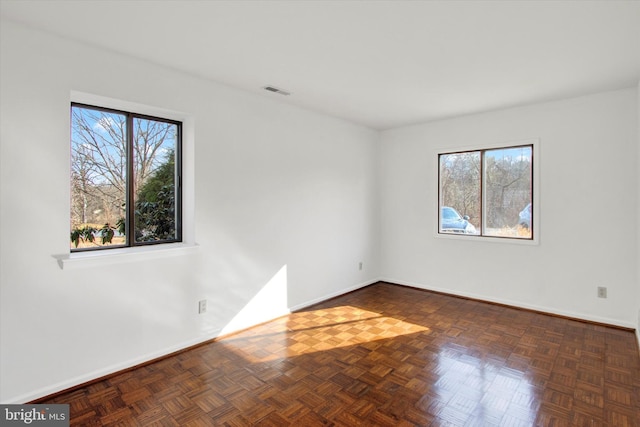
pixel 130 223
pixel 482 195
pixel 179 184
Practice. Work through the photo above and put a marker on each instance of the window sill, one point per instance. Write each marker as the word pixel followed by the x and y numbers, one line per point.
pixel 475 238
pixel 94 259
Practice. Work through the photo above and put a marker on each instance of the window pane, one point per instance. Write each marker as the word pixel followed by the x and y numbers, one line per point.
pixel 155 150
pixel 98 178
pixel 508 190
pixel 460 193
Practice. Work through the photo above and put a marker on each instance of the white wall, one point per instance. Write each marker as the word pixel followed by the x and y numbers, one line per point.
pixel 588 209
pixel 285 204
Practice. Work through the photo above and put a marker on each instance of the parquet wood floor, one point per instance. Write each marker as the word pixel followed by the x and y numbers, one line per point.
pixel 385 355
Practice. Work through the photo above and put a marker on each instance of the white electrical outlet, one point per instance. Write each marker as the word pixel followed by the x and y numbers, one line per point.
pixel 202 306
pixel 602 292
pixel 360 266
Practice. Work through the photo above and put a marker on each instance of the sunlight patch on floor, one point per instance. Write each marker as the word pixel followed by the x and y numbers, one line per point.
pixel 317 330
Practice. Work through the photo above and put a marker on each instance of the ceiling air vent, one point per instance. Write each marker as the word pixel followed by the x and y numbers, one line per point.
pixel 276 90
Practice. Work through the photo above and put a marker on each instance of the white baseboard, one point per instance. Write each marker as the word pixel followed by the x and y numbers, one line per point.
pixel 516 304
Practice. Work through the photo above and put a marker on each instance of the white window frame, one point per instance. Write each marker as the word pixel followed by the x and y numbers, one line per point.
pixel 93 259
pixel 535 240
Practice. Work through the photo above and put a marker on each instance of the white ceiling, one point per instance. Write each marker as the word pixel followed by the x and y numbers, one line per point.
pixel 382 64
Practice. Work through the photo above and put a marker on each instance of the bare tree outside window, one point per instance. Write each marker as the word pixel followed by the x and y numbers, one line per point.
pixel 460 186
pixel 487 192
pixel 508 188
pixel 124 178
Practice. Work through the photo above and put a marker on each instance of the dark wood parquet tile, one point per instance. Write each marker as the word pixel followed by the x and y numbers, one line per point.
pixel 385 355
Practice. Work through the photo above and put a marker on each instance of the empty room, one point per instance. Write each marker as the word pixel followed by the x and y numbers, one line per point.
pixel 336 213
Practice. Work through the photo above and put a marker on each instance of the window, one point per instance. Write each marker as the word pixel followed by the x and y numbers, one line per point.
pixel 487 192
pixel 125 179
